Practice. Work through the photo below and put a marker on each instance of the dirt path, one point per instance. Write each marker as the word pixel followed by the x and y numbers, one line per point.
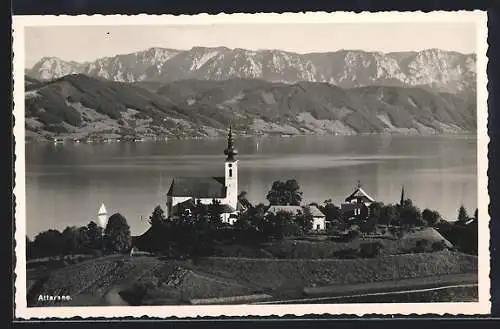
pixel 113 298
pixel 335 299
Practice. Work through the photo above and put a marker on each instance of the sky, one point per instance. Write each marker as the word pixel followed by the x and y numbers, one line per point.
pixel 87 43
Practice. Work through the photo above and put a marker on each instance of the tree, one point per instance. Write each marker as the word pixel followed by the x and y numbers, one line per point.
pixel 117 234
pixel 331 211
pixel 304 220
pixel 431 217
pixel 214 213
pixel 250 224
pixel 157 218
pixel 285 193
pixel 410 215
pixel 463 217
pixel 48 243
pixel 389 215
pixel 70 238
pixel 29 248
pixel 82 239
pixel 281 224
pixel 200 211
pixel 375 211
pixel 94 233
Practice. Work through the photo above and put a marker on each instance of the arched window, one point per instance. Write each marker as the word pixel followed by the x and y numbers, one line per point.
pixel 230 172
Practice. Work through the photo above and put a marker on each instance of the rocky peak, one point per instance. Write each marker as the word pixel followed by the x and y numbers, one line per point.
pixel 442 70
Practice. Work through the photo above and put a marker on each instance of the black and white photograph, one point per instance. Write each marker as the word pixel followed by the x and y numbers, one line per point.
pixel 253 164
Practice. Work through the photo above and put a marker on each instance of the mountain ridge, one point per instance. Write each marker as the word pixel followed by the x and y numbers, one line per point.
pixel 79 106
pixel 446 71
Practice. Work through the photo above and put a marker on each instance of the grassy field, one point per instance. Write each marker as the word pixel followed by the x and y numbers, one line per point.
pixel 322 246
pixel 142 280
pixel 287 277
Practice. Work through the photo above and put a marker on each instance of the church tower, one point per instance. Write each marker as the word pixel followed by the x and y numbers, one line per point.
pixel 231 171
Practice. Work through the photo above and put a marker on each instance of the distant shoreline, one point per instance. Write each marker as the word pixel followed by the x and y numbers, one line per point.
pixel 101 140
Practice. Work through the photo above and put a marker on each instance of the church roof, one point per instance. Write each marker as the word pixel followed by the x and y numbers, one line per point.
pixel 198 187
pixel 359 193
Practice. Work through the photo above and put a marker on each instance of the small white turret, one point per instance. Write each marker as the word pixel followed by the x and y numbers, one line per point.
pixel 102 216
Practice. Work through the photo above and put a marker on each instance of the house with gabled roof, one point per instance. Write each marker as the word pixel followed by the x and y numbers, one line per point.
pixel 205 189
pixel 357 204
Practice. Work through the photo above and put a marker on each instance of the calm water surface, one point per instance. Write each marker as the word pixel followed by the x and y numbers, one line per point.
pixel 65 184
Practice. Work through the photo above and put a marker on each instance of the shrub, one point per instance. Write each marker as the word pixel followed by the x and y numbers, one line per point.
pixel 349 253
pixel 370 249
pixel 439 245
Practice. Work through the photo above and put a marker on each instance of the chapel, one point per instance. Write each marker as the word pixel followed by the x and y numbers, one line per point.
pixel 357 204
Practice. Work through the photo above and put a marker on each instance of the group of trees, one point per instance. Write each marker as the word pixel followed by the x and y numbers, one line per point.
pixel 192 232
pixel 285 193
pixel 405 214
pixel 256 224
pixel 196 230
pixel 198 227
pixel 82 240
pixel 463 233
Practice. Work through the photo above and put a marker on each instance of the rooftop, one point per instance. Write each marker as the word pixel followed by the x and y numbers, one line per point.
pixel 359 193
pixel 291 209
pixel 315 212
pixel 198 187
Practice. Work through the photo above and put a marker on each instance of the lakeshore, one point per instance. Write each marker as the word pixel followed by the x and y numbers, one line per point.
pixel 67 183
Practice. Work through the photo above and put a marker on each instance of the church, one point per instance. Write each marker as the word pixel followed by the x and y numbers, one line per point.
pixel 190 190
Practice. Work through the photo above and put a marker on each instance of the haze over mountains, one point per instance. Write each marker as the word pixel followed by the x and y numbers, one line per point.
pixel 198 92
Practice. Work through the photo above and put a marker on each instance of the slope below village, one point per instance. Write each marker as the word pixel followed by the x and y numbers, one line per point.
pixel 149 280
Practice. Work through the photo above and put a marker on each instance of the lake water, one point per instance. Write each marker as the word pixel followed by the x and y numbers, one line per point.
pixel 66 183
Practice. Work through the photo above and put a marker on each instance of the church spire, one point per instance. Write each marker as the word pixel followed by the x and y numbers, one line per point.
pixel 402 196
pixel 230 151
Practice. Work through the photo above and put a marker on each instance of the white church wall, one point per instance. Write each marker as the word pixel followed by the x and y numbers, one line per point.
pixel 231 182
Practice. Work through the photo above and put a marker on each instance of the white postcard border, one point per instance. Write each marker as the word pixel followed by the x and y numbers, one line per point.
pixel 23 312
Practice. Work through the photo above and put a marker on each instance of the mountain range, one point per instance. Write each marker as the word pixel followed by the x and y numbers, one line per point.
pixel 78 105
pixel 442 71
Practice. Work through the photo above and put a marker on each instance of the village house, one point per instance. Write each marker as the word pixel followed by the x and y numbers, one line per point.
pixel 357 205
pixel 187 191
pixel 318 218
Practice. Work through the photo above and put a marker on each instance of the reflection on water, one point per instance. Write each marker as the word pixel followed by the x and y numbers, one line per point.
pixel 67 183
